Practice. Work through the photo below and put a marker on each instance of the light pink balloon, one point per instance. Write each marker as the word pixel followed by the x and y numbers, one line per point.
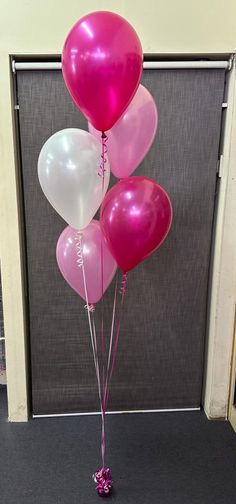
pixel 102 63
pixel 68 260
pixel 131 137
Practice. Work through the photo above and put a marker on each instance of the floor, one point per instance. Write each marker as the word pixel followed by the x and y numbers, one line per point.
pixel 166 458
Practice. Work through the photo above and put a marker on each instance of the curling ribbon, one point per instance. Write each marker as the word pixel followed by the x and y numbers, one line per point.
pixel 102 168
pixel 90 307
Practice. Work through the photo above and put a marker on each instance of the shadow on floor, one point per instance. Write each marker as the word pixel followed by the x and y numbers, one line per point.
pixel 166 458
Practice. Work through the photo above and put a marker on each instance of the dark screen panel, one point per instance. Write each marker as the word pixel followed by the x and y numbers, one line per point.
pixel 160 358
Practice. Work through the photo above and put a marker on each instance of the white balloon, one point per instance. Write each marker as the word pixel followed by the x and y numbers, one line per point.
pixel 68 171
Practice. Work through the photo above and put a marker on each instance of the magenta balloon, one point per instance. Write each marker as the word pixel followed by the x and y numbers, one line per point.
pixel 67 260
pixel 102 66
pixel 131 137
pixel 136 216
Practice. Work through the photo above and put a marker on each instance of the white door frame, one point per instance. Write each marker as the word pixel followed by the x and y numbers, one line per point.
pixel 232 405
pixel 223 287
pixel 223 291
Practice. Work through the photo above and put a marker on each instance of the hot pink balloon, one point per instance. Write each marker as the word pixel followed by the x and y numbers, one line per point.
pixel 136 216
pixel 102 66
pixel 131 137
pixel 68 260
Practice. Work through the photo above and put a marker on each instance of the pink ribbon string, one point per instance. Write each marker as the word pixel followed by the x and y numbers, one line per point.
pixel 102 476
pixel 97 368
pixel 123 286
pixel 112 359
pixel 101 173
pixel 103 373
pixel 90 310
pixel 112 328
pixel 100 391
pixel 110 344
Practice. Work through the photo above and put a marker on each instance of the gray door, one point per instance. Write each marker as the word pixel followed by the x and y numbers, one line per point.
pixel 161 350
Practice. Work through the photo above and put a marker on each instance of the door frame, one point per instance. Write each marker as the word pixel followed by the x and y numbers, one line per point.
pixel 221 313
pixel 232 402
pixel 223 285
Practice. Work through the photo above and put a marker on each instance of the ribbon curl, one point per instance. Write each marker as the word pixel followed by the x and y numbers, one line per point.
pixel 89 307
pixel 123 286
pixel 104 481
pixel 102 169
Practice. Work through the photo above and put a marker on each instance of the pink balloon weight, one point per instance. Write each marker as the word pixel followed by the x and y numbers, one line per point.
pixel 102 66
pixel 136 216
pixel 68 261
pixel 131 137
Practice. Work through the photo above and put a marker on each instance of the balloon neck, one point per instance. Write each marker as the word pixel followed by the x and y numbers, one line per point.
pixel 104 135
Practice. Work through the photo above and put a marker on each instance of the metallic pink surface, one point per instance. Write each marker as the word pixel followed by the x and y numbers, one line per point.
pixel 104 481
pixel 70 258
pixel 136 216
pixel 102 66
pixel 131 137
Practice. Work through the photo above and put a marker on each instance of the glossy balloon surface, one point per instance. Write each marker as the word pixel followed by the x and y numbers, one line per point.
pixel 136 215
pixel 102 65
pixel 131 137
pixel 68 168
pixel 68 260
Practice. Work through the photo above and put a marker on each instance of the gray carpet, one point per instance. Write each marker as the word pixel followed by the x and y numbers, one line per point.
pixel 167 458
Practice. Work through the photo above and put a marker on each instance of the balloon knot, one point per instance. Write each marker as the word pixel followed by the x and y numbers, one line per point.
pixel 104 481
pixel 90 307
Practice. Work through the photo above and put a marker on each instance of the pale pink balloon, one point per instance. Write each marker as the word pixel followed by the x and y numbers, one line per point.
pixel 93 246
pixel 102 63
pixel 131 137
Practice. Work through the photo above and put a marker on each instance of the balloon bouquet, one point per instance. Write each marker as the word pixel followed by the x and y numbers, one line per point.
pixel 102 66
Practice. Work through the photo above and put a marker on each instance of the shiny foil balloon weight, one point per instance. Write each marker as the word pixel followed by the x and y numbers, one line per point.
pixel 104 481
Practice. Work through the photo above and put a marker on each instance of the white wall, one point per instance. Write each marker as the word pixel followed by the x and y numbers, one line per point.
pixel 168 26
pixel 40 27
